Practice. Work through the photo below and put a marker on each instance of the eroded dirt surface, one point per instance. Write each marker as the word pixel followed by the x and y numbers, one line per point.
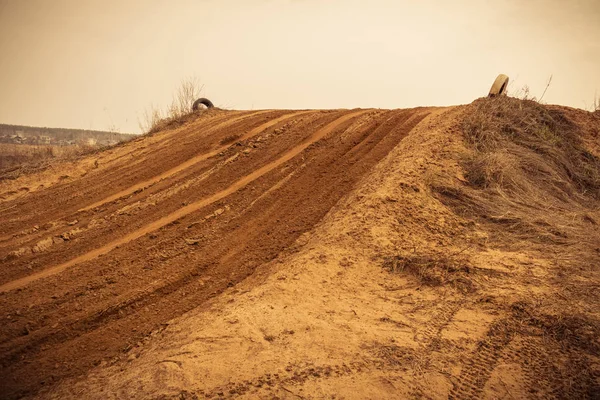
pixel 287 254
pixel 93 265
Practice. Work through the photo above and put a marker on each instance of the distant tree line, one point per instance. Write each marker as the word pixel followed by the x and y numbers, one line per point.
pixel 19 134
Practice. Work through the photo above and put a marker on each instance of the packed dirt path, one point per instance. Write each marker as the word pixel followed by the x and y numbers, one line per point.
pixel 147 231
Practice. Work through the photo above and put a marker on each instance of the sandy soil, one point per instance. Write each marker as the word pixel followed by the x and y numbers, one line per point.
pixel 263 255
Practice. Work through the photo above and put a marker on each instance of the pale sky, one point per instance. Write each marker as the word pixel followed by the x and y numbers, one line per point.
pixel 97 64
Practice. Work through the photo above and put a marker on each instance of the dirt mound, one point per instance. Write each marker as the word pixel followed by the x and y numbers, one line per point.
pixel 356 254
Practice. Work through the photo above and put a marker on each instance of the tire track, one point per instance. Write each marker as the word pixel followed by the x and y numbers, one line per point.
pixel 118 219
pixel 61 223
pixel 190 208
pixel 151 280
pixel 478 369
pixel 294 375
pixel 201 157
pixel 523 351
pixel 58 201
pixel 157 289
pixel 552 370
pixel 438 321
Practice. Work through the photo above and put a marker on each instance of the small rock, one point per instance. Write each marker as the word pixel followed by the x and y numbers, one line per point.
pixel 19 252
pixel 43 245
pixel 192 241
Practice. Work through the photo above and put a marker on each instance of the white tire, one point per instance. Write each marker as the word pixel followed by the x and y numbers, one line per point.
pixel 499 86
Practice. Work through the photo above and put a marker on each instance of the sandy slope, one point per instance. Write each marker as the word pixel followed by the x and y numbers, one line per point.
pixel 292 283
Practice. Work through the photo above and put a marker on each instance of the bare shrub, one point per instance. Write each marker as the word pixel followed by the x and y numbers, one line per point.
pixel 181 105
pixel 524 92
pixel 177 112
pixel 151 119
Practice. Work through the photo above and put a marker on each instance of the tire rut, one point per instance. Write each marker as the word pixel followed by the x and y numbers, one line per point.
pixel 478 369
pixel 253 236
pixel 200 157
pixel 188 209
pixel 59 201
pixel 63 222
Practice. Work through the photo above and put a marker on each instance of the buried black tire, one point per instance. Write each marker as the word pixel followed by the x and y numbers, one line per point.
pixel 499 86
pixel 202 100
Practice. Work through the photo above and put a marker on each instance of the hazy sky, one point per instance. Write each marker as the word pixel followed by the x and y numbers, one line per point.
pixel 99 63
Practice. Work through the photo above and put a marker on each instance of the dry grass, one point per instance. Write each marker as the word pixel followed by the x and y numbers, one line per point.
pixel 175 114
pixel 433 269
pixel 521 147
pixel 575 334
pixel 531 182
pixel 16 159
pixel 527 171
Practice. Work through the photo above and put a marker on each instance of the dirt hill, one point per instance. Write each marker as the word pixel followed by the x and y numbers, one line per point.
pixel 430 252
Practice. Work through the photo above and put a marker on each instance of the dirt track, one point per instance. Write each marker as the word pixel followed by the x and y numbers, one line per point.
pixel 93 264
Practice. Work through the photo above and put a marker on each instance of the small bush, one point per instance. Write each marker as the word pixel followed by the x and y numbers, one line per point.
pixel 175 114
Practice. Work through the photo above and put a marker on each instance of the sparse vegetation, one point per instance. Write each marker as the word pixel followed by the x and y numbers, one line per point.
pixel 155 119
pixel 28 149
pixel 522 147
pixel 16 159
pixel 433 269
pixel 531 184
pixel 524 92
pixel 526 169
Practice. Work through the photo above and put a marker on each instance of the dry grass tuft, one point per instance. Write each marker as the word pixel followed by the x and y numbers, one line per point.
pixel 175 114
pixel 570 327
pixel 433 269
pixel 19 159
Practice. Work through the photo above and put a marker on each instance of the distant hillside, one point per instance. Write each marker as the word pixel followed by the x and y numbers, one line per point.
pixel 18 134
